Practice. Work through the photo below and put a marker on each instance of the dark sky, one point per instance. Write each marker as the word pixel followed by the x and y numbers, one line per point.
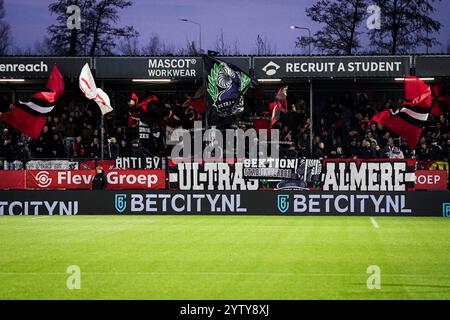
pixel 240 20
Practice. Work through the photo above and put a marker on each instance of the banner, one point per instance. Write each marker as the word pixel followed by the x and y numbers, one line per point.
pixel 60 179
pixel 15 165
pixel 144 132
pixel 295 174
pixel 327 67
pixel 52 165
pixel 158 67
pixel 431 180
pixel 13 180
pixel 433 165
pixel 368 175
pixel 140 163
pixel 92 164
pixel 155 202
pixel 209 176
pixel 285 174
pixel 82 179
pixel 136 179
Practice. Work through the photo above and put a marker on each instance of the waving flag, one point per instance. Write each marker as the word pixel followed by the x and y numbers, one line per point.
pixel 412 116
pixel 279 105
pixel 90 90
pixel 29 117
pixel 197 102
pixel 226 85
pixel 146 103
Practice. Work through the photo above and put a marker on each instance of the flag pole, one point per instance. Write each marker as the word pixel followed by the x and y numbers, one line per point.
pixel 102 125
pixel 107 136
pixel 311 119
pixel 204 92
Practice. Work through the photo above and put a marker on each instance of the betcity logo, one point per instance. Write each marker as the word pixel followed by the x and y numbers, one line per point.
pixel 37 207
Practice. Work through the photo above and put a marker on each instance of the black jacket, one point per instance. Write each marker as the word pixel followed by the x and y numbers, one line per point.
pixel 100 182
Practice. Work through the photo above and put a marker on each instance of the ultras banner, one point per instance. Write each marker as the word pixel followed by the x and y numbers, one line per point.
pixel 295 174
pixel 209 176
pixel 157 202
pixel 52 165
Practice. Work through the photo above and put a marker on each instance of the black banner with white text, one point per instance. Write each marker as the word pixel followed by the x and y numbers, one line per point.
pixel 289 203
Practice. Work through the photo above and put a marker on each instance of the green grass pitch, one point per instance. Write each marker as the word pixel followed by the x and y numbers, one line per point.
pixel 212 257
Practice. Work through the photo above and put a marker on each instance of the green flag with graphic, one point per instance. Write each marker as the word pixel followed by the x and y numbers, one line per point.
pixel 226 85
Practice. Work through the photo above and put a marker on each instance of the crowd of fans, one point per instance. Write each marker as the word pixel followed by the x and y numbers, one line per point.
pixel 342 129
pixel 75 131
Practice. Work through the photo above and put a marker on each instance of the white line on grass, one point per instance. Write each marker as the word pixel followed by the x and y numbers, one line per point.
pixel 300 274
pixel 374 223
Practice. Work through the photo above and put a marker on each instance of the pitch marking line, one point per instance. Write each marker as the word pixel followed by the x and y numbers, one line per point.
pixel 374 223
pixel 289 274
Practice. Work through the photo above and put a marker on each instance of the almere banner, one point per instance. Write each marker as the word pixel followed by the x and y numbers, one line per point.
pixel 262 67
pixel 289 203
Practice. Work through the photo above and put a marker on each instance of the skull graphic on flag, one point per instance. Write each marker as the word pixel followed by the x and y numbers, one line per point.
pixel 226 86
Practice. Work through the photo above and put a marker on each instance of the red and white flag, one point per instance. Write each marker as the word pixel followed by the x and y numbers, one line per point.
pixel 90 90
pixel 29 117
pixel 408 121
pixel 279 105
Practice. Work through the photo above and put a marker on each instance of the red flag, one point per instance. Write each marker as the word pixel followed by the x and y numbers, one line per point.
pixel 144 104
pixel 279 105
pixel 25 122
pixel 410 132
pixel 441 99
pixel 55 84
pixel 29 117
pixel 275 114
pixel 134 97
pixel 408 121
pixel 417 93
pixel 134 114
pixel 197 102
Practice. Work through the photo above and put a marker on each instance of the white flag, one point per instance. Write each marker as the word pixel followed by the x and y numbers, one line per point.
pixel 90 90
pixel 103 102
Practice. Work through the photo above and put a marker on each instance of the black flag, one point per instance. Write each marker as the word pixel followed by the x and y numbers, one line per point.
pixel 226 85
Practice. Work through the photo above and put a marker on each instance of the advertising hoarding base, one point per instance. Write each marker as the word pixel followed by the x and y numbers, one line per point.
pixel 290 203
